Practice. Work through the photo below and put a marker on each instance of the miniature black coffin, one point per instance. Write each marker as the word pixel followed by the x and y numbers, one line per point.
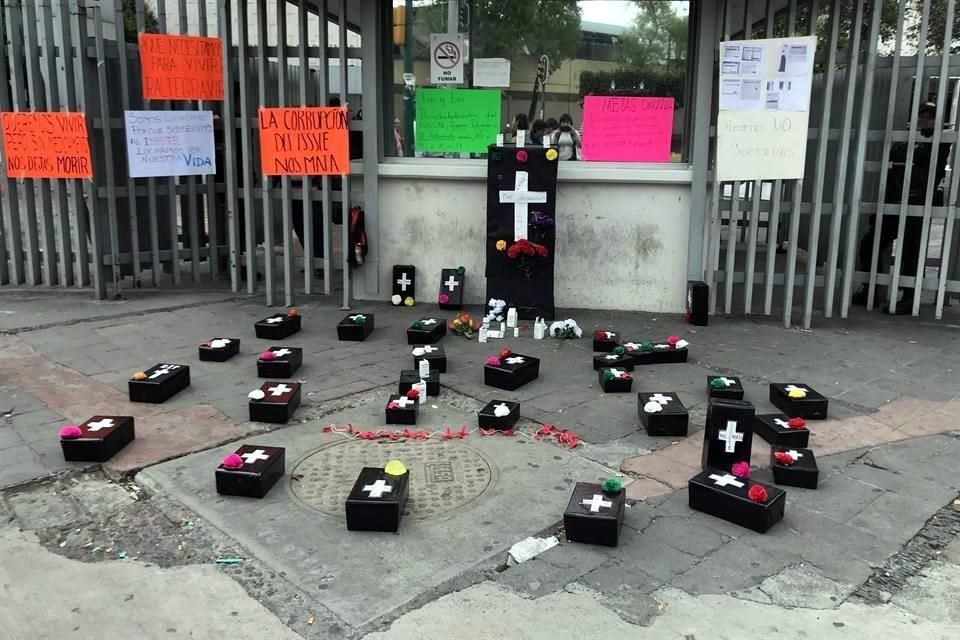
pixel 671 419
pixel 728 436
pixel 658 353
pixel 501 415
pixel 279 401
pixel 285 362
pixel 262 467
pixel 408 378
pixel 594 516
pixel 728 387
pixel 377 500
pixel 426 331
pixel 219 349
pixel 615 380
pixel 698 301
pixel 775 429
pixel 433 354
pixel 451 289
pixel 405 281
pixel 356 327
pixel 278 327
pixel 605 341
pixel 802 472
pixel 725 496
pixel 401 410
pixel 811 407
pixel 163 381
pixel 513 372
pixel 101 437
pixel 612 359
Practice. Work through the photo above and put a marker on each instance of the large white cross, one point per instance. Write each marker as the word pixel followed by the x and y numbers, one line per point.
pixel 612 356
pixel 724 480
pixel 405 402
pixel 279 390
pixel 451 284
pixel 631 345
pixel 501 410
pixel 358 317
pixel 282 352
pixel 254 456
pixel 403 281
pixel 782 423
pixel 610 335
pixel 791 387
pixel 516 360
pixel 661 347
pixel 164 370
pixel 662 399
pixel 596 502
pixel 428 321
pixel 275 319
pixel 793 453
pixel 429 349
pixel 521 197
pixel 106 423
pixel 618 373
pixel 731 436
pixel 378 488
pixel 727 381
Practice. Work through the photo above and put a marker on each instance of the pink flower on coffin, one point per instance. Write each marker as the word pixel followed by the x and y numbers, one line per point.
pixel 232 461
pixel 493 361
pixel 268 355
pixel 71 432
pixel 522 156
pixel 741 469
pixel 443 299
pixel 673 340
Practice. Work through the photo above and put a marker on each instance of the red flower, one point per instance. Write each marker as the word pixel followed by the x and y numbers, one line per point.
pixel 784 458
pixel 542 251
pixel 505 353
pixel 757 493
pixel 513 252
pixel 393 405
pixel 600 335
pixel 413 394
pixel 443 299
pixel 796 423
pixel 521 156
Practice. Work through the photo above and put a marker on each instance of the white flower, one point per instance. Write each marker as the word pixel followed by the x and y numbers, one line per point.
pixel 418 351
pixel 396 299
pixel 219 343
pixel 256 394
pixel 501 410
pixel 652 407
pixel 682 344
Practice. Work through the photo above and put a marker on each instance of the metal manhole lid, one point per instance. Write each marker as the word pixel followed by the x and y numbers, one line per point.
pixel 444 476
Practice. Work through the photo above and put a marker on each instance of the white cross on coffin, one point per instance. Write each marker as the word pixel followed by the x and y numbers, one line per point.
pixel 279 390
pixel 731 436
pixel 282 352
pixel 596 503
pixel 520 197
pixel 219 343
pixel 403 281
pixel 254 456
pixel 428 322
pixel 501 410
pixel 661 347
pixel 793 453
pixel 164 370
pixel 631 345
pixel 662 399
pixel 378 488
pixel 429 349
pixel 358 317
pixel 106 423
pixel 727 381
pixel 515 360
pixel 451 284
pixel 612 356
pixel 275 320
pixel 618 373
pixel 781 423
pixel 726 479
pixel 405 402
pixel 610 335
pixel 791 387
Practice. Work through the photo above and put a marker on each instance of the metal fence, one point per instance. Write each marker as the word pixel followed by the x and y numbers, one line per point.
pixel 803 245
pixel 232 228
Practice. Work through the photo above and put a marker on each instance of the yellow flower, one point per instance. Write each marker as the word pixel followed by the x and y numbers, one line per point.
pixel 797 393
pixel 395 468
pixel 139 375
pixel 551 154
pixel 501 245
pixel 408 301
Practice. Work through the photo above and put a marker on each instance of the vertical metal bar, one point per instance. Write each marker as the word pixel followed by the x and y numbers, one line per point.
pixel 345 194
pixel 885 154
pixel 856 191
pixel 911 148
pixel 371 81
pixel 265 181
pixel 246 147
pixel 156 268
pixel 86 215
pixel 10 191
pixel 191 221
pixel 209 182
pixel 285 180
pixel 229 145
pixel 731 251
pixel 752 248
pixel 327 199
pixel 792 239
pixel 773 233
pixel 108 151
pixel 172 198
pixel 306 196
pixel 947 253
pixel 713 247
pixel 823 143
pixel 702 94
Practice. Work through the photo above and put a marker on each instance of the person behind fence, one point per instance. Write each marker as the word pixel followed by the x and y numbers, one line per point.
pixel 916 196
pixel 567 139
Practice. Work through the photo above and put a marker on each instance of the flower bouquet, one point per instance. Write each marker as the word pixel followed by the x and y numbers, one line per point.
pixel 464 325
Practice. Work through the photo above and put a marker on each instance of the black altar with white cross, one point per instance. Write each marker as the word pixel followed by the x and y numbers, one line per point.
pixel 451 288
pixel 98 439
pixel 258 469
pixel 377 500
pixel 728 435
pixel 521 218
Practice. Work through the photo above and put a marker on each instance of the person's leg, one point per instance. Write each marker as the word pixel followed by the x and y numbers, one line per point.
pixel 864 255
pixel 912 232
pixel 316 210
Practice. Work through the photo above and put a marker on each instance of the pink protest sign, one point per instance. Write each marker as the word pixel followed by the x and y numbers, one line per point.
pixel 617 129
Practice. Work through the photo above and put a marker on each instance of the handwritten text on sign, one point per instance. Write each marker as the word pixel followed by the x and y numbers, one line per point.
pixel 457 120
pixel 770 144
pixel 619 129
pixel 46 145
pixel 305 141
pixel 170 143
pixel 181 67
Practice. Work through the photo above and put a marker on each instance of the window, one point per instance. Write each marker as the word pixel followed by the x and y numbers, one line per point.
pixel 563 56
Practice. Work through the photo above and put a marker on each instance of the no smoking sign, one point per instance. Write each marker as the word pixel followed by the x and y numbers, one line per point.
pixel 446 58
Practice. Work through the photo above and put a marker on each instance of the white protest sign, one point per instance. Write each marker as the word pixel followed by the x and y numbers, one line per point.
pixel 170 143
pixel 446 58
pixel 491 72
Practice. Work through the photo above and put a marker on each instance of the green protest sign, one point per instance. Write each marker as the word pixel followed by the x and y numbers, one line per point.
pixel 457 120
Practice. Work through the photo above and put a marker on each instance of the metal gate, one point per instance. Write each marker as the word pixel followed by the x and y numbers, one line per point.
pixel 803 245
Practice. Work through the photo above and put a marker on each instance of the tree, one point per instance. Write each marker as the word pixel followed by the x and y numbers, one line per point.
pixel 937 26
pixel 130 19
pixel 658 37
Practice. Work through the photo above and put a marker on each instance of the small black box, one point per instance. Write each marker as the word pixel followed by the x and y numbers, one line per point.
pixel 278 327
pixel 404 282
pixel 728 387
pixel 401 410
pixel 285 362
pixel 433 354
pixel 646 353
pixel 725 496
pixel 100 438
pixel 613 380
pixel 698 303
pixel 426 331
pixel 451 289
pixel 775 428
pixel 276 404
pixel 728 435
pixel 219 349
pixel 356 327
pixel 262 467
pixel 488 418
pixel 161 383
pixel 408 378
pixel 671 419
pixel 513 372
pixel 613 359
pixel 812 406
pixel 604 341
pixel 594 516
pixel 794 467
pixel 377 500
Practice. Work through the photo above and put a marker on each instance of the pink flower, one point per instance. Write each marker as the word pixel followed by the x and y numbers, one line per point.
pixel 493 361
pixel 673 340
pixel 443 299
pixel 71 432
pixel 522 156
pixel 232 461
pixel 741 469
pixel 268 355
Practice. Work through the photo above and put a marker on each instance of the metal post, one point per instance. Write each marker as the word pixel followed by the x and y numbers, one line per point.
pixel 247 148
pixel 108 152
pixel 306 196
pixel 285 180
pixel 229 145
pixel 265 180
pixel 131 182
pixel 345 193
pixel 326 196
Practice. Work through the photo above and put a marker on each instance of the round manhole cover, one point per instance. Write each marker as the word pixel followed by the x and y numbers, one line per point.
pixel 444 476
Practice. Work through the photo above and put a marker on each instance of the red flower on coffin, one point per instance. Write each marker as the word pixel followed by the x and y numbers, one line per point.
pixel 393 405
pixel 542 251
pixel 796 423
pixel 600 335
pixel 443 299
pixel 413 394
pixel 784 458
pixel 505 353
pixel 757 493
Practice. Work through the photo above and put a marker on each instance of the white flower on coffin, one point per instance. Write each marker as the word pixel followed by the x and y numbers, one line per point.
pixel 565 329
pixel 419 351
pixel 256 394
pixel 682 344
pixel 396 299
pixel 652 407
pixel 501 410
